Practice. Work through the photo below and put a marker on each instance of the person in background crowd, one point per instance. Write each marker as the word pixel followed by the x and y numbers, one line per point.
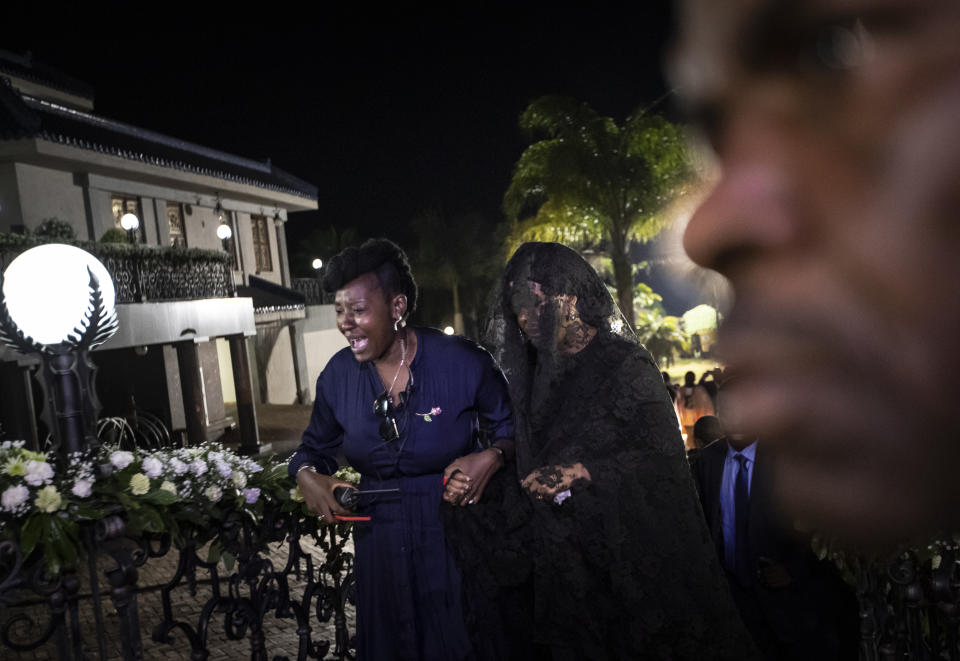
pixel 706 430
pixel 782 591
pixel 693 402
pixel 836 220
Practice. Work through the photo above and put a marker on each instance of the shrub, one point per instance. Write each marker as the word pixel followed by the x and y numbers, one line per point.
pixel 56 230
pixel 114 235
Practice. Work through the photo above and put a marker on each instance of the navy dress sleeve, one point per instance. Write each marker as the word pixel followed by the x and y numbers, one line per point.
pixel 324 435
pixel 493 400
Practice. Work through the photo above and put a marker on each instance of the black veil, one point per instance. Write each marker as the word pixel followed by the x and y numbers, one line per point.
pixel 532 372
pixel 624 568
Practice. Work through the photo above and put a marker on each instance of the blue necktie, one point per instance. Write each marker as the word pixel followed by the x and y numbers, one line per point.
pixel 741 503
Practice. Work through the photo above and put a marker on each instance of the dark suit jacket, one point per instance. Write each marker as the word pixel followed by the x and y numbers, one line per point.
pixel 787 612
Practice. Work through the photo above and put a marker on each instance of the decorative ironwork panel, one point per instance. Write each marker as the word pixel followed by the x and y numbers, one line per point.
pixel 157 276
pixel 312 290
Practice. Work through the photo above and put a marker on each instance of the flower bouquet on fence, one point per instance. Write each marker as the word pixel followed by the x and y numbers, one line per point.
pixel 205 488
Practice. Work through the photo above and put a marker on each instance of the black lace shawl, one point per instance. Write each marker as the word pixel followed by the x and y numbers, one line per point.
pixel 624 568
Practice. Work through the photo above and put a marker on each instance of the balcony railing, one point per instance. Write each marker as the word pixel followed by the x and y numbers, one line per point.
pixel 146 273
pixel 312 290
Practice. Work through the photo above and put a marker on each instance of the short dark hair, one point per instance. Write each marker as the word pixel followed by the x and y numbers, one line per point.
pixel 382 257
pixel 707 429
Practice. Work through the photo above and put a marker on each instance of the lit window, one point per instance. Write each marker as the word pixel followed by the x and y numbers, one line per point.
pixel 124 205
pixel 178 237
pixel 261 243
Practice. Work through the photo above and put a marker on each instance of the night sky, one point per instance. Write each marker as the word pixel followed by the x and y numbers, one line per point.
pixel 386 120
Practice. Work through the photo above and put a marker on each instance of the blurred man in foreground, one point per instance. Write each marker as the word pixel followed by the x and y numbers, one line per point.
pixel 837 220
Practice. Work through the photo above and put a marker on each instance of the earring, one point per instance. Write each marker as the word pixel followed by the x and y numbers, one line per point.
pixel 572 316
pixel 396 325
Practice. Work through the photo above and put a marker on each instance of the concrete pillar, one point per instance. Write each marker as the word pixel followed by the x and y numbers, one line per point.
pixel 82 179
pixel 282 253
pixel 243 387
pixel 163 223
pixel 191 383
pixel 299 350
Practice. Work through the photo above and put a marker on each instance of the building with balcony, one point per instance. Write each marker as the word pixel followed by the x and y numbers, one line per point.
pixel 203 320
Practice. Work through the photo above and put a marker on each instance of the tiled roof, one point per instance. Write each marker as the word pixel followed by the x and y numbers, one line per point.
pixel 24 66
pixel 23 116
pixel 268 296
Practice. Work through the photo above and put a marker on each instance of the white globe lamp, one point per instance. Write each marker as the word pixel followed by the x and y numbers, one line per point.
pixel 47 291
pixel 129 222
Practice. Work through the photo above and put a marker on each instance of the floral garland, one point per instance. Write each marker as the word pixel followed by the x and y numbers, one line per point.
pixel 157 491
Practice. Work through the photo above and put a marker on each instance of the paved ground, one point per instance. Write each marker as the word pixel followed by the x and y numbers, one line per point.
pixel 279 425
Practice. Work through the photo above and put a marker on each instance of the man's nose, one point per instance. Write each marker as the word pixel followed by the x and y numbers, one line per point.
pixel 751 208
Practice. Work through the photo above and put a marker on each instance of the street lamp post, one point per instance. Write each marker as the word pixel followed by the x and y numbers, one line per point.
pixel 58 301
pixel 224 233
pixel 130 223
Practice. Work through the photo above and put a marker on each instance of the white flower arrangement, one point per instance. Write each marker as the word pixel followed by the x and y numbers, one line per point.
pixel 43 505
pixel 27 482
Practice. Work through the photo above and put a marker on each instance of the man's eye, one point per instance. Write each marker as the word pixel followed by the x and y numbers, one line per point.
pixel 843 47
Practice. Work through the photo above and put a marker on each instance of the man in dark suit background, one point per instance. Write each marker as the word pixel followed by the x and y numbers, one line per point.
pixel 782 591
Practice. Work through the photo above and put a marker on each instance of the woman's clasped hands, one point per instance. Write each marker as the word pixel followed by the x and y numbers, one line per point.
pixel 466 477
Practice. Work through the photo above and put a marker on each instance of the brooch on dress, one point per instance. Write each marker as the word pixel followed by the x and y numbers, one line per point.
pixel 428 417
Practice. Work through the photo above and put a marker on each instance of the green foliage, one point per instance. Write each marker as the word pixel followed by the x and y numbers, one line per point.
pixel 645 299
pixel 54 230
pixel 205 488
pixel 663 335
pixel 16 243
pixel 699 318
pixel 462 255
pixel 587 180
pixel 114 235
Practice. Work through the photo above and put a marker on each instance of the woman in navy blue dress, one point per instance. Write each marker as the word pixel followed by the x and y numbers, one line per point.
pixel 402 405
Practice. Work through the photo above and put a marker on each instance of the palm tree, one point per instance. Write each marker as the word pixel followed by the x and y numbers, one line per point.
pixel 460 253
pixel 588 180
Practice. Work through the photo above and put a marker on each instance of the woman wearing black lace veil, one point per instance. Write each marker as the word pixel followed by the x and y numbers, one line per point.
pixel 622 562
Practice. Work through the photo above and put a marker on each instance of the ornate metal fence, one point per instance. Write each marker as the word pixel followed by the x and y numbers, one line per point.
pixel 156 274
pixel 910 604
pixel 40 611
pixel 163 275
pixel 312 291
